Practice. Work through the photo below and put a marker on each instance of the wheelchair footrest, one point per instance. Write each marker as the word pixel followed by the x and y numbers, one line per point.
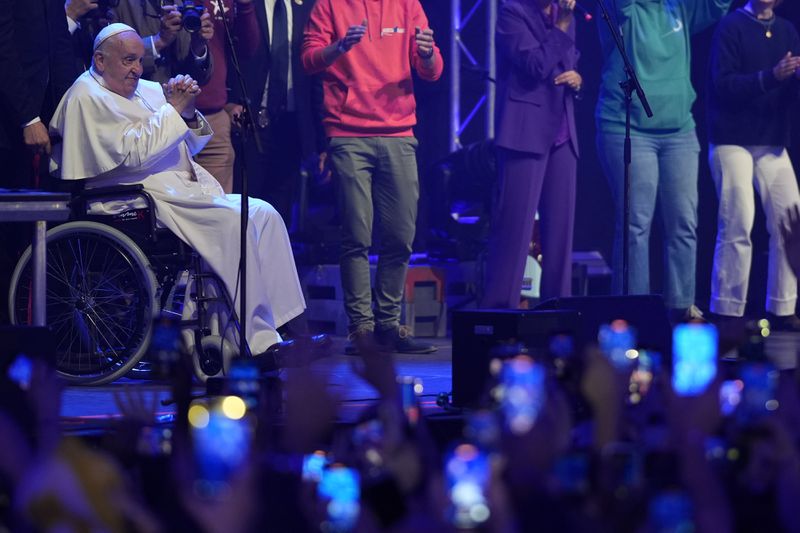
pixel 205 299
pixel 205 275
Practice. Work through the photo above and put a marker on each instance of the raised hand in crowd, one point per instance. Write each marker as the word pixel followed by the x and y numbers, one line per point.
pixel 693 419
pixel 45 399
pixel 604 388
pixel 16 456
pixel 378 370
pixel 310 410
pixel 232 512
pixel 531 455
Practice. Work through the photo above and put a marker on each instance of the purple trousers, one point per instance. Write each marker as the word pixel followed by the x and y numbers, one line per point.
pixel 528 182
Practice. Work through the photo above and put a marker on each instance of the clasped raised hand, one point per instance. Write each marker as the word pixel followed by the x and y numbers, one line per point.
pixel 181 92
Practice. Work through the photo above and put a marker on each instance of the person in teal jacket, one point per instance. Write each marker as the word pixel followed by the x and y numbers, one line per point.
pixel 665 150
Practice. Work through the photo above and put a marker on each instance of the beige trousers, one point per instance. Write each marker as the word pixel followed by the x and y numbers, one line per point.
pixel 218 155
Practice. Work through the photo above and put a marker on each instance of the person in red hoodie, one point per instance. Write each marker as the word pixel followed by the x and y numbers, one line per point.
pixel 218 155
pixel 364 51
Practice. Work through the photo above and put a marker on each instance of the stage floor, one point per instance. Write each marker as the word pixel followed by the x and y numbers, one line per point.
pixel 92 409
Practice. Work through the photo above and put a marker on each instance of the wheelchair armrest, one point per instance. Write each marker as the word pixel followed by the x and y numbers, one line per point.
pixel 112 190
pixel 136 189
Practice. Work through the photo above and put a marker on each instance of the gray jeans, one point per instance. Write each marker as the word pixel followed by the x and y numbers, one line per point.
pixel 377 176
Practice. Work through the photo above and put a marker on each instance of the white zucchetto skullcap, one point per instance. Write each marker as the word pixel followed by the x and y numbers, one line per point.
pixel 110 31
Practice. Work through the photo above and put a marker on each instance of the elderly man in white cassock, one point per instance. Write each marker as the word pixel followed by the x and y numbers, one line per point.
pixel 119 129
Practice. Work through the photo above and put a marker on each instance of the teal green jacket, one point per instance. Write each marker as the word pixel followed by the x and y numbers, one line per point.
pixel 657 37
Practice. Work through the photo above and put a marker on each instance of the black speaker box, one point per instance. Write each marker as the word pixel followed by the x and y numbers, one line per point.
pixel 646 313
pixel 476 332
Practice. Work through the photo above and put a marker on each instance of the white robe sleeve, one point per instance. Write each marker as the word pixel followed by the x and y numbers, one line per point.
pixel 101 134
pixel 199 136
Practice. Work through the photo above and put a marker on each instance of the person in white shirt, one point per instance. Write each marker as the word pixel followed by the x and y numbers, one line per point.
pixel 286 102
pixel 119 129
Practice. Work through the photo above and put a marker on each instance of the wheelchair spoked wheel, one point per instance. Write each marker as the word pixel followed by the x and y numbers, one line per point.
pixel 144 369
pixel 100 300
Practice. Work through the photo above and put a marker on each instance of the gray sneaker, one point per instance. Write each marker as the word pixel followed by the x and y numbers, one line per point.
pixel 397 339
pixel 360 339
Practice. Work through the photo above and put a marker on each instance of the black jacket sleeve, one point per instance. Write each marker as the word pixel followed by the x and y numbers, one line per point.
pixel 14 90
pixel 63 66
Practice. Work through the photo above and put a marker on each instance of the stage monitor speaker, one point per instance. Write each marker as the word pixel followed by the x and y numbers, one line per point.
pixel 647 313
pixel 477 332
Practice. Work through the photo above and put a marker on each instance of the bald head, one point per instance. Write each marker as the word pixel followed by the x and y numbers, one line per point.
pixel 118 60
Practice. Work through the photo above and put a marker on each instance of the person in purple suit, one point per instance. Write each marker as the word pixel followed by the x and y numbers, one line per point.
pixel 537 147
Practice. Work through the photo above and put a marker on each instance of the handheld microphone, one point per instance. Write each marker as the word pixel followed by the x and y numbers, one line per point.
pixel 587 16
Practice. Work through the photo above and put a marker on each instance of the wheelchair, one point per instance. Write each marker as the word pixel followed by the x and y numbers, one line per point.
pixel 110 274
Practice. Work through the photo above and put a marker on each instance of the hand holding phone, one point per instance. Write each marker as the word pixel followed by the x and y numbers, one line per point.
pixel 467 472
pixel 340 487
pixel 165 346
pixel 22 349
pixel 730 396
pixel 221 437
pixel 694 358
pixel 523 393
pixel 20 371
pixel 760 381
pixel 646 368
pixel 245 380
pixel 618 342
pixel 313 465
pixel 410 389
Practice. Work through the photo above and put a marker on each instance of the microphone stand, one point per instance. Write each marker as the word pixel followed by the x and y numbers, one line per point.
pixel 629 86
pixel 248 127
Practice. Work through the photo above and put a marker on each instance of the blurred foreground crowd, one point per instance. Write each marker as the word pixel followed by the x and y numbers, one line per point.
pixel 607 437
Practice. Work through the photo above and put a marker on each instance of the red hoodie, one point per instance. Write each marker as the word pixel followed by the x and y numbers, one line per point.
pixel 368 91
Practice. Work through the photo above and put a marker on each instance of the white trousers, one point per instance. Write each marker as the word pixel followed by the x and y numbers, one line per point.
pixel 735 170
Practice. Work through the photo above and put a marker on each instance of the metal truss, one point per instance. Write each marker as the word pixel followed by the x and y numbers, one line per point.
pixel 462 59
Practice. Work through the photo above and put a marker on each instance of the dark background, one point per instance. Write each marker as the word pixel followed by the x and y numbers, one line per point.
pixel 594 224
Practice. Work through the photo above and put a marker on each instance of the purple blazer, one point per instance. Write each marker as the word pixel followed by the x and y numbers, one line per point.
pixel 531 52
